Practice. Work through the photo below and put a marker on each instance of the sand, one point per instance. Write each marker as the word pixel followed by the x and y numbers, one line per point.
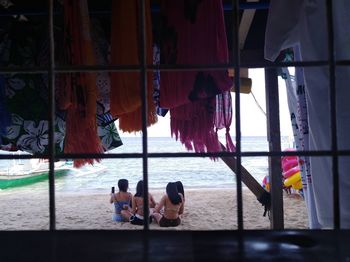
pixel 205 209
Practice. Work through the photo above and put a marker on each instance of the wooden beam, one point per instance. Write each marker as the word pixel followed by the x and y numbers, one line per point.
pixel 246 22
pixel 274 139
pixel 254 186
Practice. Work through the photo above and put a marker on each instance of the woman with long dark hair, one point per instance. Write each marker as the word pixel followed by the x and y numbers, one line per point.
pixel 173 203
pixel 136 216
pixel 180 188
pixel 121 201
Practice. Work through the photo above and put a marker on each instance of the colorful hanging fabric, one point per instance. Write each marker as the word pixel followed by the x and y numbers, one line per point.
pixel 223 117
pixel 193 32
pixel 102 52
pixel 156 82
pixel 26 95
pixel 125 86
pixel 78 93
pixel 193 125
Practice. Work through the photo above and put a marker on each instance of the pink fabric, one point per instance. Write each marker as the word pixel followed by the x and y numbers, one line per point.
pixel 193 125
pixel 194 33
pixel 202 41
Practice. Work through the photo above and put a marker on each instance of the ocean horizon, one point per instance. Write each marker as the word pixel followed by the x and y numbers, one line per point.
pixel 194 172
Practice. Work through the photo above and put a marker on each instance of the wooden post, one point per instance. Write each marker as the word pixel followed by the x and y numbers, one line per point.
pixel 274 139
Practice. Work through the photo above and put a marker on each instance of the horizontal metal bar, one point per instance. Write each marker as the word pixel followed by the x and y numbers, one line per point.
pixel 24 69
pixel 228 7
pixel 155 8
pixel 326 153
pixel 178 67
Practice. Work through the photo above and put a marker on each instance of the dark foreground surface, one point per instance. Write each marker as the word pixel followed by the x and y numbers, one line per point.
pixel 175 246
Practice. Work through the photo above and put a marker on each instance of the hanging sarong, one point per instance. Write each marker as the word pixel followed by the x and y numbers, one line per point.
pixel 156 83
pixel 79 93
pixel 26 95
pixel 193 32
pixel 125 50
pixel 223 117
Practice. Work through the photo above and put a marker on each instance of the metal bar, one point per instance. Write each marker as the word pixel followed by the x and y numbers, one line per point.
pixel 236 66
pixel 143 85
pixel 154 8
pixel 51 146
pixel 179 154
pixel 274 139
pixel 333 115
pixel 188 67
pixel 229 7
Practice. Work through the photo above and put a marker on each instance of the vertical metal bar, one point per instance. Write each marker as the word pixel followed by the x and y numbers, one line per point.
pixel 143 87
pixel 333 120
pixel 236 62
pixel 143 83
pixel 274 138
pixel 51 87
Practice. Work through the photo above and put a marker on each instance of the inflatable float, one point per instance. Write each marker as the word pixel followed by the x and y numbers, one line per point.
pixel 291 173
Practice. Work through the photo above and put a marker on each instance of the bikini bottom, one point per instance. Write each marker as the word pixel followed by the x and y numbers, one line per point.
pixel 165 222
pixel 138 220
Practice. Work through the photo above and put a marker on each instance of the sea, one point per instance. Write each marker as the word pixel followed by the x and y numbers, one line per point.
pixel 193 172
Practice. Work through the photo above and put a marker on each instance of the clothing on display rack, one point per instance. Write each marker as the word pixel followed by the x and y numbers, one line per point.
pixel 26 95
pixel 126 100
pixel 298 23
pixel 191 95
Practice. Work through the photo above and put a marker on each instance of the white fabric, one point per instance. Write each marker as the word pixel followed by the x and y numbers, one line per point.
pixel 300 126
pixel 303 23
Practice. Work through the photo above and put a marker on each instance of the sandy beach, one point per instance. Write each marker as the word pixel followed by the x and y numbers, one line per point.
pixel 205 209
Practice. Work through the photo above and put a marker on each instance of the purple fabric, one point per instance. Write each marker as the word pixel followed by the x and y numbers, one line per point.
pixel 223 117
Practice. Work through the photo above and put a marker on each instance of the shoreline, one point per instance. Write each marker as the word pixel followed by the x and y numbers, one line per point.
pixel 205 209
pixel 28 189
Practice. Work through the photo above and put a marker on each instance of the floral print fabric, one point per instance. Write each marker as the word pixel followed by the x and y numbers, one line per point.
pixel 26 95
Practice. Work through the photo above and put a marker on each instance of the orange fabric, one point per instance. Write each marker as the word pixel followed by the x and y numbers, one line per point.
pixel 132 122
pixel 125 93
pixel 80 88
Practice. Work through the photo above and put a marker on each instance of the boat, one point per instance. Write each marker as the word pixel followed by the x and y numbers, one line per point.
pixel 35 170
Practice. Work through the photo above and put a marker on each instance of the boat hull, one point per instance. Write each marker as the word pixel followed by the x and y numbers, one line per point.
pixel 18 180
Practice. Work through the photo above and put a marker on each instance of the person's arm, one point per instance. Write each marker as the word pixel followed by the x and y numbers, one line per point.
pixel 133 210
pixel 181 210
pixel 152 202
pixel 112 200
pixel 160 205
pixel 129 205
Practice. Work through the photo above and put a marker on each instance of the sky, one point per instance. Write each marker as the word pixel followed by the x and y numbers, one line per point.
pixel 253 120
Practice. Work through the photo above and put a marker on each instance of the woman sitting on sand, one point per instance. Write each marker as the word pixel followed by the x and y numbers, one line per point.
pixel 121 201
pixel 173 203
pixel 136 215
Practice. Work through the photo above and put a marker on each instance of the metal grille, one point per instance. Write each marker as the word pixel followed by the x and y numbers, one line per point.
pixel 143 68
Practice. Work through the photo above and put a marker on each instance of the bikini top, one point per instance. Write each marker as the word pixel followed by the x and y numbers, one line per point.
pixel 119 205
pixel 176 208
